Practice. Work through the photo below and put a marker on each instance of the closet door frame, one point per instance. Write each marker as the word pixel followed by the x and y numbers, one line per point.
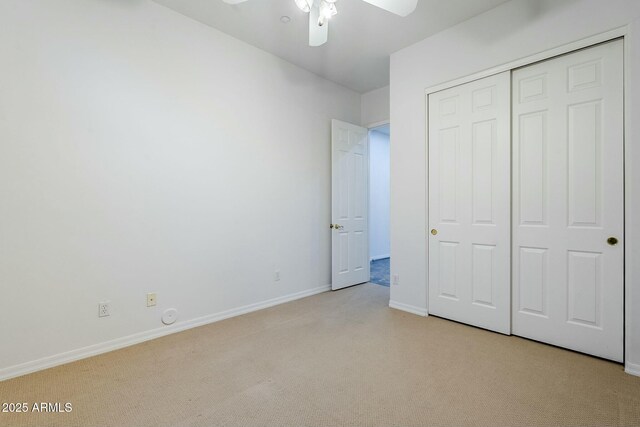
pixel 631 231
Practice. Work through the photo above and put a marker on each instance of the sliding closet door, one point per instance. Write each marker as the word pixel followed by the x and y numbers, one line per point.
pixel 568 201
pixel 469 203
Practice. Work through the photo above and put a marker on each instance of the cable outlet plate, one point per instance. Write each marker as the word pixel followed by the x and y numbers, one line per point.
pixel 151 299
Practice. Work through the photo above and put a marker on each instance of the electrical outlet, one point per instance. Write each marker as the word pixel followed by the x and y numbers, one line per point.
pixel 104 309
pixel 396 279
pixel 276 275
pixel 151 299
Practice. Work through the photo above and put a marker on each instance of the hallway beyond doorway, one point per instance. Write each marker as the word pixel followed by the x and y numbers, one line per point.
pixel 380 272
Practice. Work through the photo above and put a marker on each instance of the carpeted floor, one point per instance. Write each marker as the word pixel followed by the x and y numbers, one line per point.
pixel 380 271
pixel 335 359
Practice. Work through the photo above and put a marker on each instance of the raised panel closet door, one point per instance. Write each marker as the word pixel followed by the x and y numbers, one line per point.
pixel 469 203
pixel 568 199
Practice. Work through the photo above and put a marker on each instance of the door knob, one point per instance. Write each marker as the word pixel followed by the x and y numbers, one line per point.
pixel 612 241
pixel 338 226
pixel 331 226
pixel 434 231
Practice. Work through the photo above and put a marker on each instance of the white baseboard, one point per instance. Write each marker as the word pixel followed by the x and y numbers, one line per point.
pixel 377 257
pixel 420 311
pixel 632 369
pixel 95 349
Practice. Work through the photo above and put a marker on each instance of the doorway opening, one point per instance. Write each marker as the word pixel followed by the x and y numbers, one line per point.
pixel 379 200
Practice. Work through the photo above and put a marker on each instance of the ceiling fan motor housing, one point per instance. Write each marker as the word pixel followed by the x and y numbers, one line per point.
pixel 320 11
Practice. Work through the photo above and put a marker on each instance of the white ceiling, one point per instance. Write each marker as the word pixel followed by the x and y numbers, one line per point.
pixel 361 36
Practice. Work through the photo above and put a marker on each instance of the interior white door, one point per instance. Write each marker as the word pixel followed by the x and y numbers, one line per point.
pixel 469 203
pixel 568 200
pixel 349 205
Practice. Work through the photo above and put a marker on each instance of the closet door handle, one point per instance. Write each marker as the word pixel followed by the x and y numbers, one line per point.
pixel 434 231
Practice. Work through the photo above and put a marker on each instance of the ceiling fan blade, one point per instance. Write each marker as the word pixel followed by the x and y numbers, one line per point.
pixel 399 7
pixel 234 1
pixel 318 34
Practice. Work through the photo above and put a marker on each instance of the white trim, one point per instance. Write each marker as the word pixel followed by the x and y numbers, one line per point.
pixel 420 311
pixel 541 56
pixel 629 207
pixel 632 369
pixel 426 199
pixel 93 350
pixel 378 257
pixel 377 124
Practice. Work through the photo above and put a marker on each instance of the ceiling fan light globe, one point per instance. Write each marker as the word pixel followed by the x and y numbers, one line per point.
pixel 304 5
pixel 327 10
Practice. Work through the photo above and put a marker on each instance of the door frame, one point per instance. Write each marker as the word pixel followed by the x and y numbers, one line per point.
pixel 628 275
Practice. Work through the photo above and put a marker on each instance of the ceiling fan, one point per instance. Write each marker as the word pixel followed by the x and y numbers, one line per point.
pixel 320 11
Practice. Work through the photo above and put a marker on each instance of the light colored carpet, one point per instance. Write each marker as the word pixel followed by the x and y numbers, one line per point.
pixel 335 359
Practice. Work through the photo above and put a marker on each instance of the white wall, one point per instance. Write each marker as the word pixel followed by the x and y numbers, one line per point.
pixel 142 151
pixel 514 30
pixel 379 245
pixel 375 107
